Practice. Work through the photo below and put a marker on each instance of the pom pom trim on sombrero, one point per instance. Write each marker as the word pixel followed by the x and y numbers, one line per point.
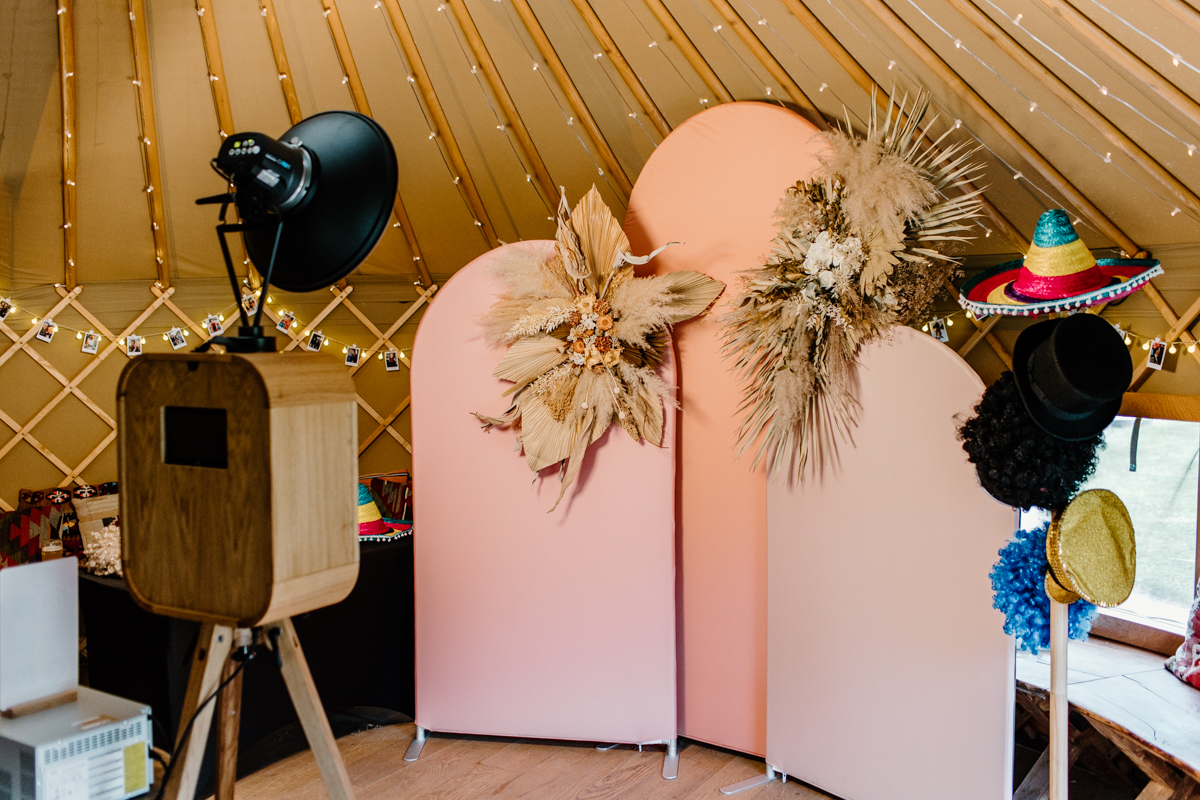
pixel 1058 273
pixel 990 280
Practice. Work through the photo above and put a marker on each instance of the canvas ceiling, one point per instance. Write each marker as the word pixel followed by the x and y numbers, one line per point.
pixel 113 224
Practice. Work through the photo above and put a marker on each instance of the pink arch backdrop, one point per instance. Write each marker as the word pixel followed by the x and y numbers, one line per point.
pixel 551 625
pixel 885 649
pixel 714 184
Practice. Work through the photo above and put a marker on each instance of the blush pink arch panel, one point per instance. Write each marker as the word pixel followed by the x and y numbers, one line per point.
pixel 551 625
pixel 714 184
pixel 885 655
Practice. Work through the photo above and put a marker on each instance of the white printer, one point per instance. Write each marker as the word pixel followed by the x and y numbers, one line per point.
pixel 96 748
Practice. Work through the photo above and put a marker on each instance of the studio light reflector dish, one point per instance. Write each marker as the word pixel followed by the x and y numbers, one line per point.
pixel 334 222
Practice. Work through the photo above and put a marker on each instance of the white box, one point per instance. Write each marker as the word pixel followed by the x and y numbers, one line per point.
pixel 97 748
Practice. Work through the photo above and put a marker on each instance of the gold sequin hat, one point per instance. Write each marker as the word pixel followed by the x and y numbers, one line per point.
pixel 1091 550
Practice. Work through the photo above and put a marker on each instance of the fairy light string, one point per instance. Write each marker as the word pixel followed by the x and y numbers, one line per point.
pixel 36 320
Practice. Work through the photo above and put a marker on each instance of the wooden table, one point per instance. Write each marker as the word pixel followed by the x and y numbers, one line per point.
pixel 1124 695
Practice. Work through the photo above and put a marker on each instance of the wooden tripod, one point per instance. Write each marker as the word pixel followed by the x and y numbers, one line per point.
pixel 211 665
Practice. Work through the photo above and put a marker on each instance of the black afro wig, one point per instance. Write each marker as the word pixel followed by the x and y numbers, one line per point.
pixel 1017 462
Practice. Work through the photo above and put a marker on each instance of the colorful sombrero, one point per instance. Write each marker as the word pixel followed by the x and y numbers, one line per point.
pixel 1059 273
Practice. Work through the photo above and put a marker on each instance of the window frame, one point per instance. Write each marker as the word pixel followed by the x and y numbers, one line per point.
pixel 1123 626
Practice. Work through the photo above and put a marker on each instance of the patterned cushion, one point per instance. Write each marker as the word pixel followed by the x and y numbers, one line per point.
pixel 1186 661
pixel 22 534
pixel 55 502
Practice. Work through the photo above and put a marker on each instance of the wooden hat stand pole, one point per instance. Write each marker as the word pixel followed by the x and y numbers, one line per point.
pixel 1060 735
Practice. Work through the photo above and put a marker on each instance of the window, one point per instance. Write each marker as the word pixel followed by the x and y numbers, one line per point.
pixel 1152 465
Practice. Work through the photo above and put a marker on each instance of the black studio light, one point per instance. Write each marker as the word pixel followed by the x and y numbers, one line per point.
pixel 313 204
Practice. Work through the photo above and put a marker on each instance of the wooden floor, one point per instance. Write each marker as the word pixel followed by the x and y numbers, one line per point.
pixel 469 768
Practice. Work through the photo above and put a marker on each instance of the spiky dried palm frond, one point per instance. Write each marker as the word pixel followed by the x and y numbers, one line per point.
pixel 863 245
pixel 585 337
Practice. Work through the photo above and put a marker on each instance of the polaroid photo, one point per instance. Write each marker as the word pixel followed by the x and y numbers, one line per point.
pixel 176 338
pixel 91 343
pixel 352 355
pixel 46 330
pixel 213 324
pixel 1158 352
pixel 6 308
pixel 937 329
pixel 391 361
pixel 287 321
pixel 133 345
pixel 250 304
pixel 315 341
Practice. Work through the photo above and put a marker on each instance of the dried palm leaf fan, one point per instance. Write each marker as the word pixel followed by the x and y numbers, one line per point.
pixel 238 469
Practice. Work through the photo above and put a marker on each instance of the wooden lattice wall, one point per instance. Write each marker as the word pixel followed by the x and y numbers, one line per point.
pixel 58 409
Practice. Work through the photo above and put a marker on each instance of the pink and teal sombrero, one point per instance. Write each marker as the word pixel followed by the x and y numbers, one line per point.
pixel 1059 273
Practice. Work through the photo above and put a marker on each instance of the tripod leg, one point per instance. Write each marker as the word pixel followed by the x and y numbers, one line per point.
pixel 312 715
pixel 212 650
pixel 229 718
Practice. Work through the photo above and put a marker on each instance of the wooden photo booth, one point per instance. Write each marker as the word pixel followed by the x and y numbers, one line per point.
pixel 238 510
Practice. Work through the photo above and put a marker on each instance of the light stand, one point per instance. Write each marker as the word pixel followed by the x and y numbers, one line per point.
pixel 250 338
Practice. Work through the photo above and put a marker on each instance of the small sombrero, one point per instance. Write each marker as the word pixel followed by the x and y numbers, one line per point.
pixel 1091 551
pixel 1057 274
pixel 370 521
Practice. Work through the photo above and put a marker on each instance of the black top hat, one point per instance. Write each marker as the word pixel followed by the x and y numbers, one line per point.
pixel 1071 374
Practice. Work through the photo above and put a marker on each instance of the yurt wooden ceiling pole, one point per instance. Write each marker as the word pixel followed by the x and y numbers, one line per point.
pixel 149 128
pixel 1110 48
pixel 440 122
pixel 1000 125
pixel 350 70
pixel 622 66
pixel 1077 103
pixel 676 34
pixel 281 63
pixel 1182 12
pixel 847 62
pixel 769 62
pixel 66 76
pixel 541 175
pixel 550 56
pixel 216 67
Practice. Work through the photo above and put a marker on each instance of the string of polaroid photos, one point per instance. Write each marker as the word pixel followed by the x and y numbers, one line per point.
pixel 214 324
pixel 938 327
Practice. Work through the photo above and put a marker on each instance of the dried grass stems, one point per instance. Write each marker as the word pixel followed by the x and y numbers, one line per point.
pixel 585 337
pixel 863 245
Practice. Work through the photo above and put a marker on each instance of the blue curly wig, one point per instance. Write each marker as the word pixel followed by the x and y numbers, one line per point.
pixel 1018 579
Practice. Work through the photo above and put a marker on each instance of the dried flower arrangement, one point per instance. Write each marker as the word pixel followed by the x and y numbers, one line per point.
pixel 863 245
pixel 585 337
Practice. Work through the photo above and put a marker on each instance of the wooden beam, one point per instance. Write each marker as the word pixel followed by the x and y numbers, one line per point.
pixel 216 67
pixel 847 62
pixel 770 63
pixel 359 95
pixel 1182 12
pixel 66 81
pixel 676 34
pixel 349 69
pixel 1116 53
pixel 145 100
pixel 281 63
pixel 584 7
pixel 550 56
pixel 541 175
pixel 1001 126
pixel 1077 103
pixel 424 84
pixel 338 297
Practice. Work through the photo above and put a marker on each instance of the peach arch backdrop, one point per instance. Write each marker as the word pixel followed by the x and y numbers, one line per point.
pixel 714 184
